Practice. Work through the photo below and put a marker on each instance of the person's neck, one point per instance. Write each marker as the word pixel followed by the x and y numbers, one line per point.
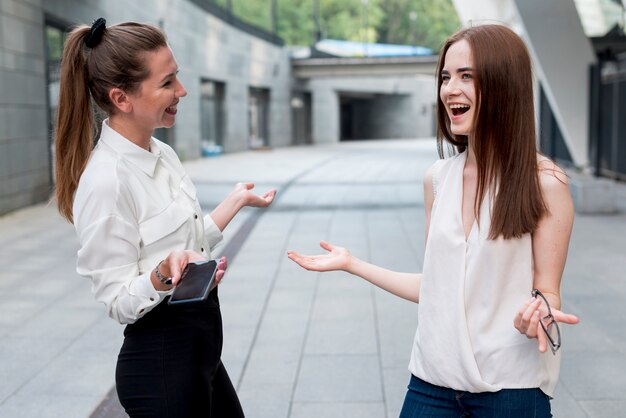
pixel 130 131
pixel 471 157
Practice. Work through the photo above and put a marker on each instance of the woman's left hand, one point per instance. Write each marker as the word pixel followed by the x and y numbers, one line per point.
pixel 222 265
pixel 238 198
pixel 250 199
pixel 528 317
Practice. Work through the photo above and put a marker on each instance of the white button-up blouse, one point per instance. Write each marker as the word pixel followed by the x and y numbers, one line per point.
pixel 132 208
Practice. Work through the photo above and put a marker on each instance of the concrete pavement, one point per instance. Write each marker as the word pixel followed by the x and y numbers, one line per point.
pixel 297 344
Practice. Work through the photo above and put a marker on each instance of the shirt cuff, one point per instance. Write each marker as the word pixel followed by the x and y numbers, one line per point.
pixel 212 232
pixel 149 296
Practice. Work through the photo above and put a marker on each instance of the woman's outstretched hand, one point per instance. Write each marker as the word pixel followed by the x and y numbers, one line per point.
pixel 527 320
pixel 250 199
pixel 337 258
pixel 238 198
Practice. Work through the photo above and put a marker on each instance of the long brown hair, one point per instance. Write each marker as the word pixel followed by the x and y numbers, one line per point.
pixel 86 73
pixel 503 136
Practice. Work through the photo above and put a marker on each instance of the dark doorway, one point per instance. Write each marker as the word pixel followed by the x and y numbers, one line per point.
pixel 375 116
pixel 353 108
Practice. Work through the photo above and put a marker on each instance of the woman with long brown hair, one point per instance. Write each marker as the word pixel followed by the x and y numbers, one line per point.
pixel 498 222
pixel 138 219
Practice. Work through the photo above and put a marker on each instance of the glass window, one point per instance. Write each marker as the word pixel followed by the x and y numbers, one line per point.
pixel 258 112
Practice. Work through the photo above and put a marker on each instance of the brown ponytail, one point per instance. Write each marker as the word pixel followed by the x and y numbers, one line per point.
pixel 117 61
pixel 74 124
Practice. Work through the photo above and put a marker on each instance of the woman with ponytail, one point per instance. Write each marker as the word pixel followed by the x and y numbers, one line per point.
pixel 138 219
pixel 498 222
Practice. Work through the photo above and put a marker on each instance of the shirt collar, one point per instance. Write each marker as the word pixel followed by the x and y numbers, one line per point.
pixel 125 148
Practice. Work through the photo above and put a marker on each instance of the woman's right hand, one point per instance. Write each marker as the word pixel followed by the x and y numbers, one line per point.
pixel 337 258
pixel 175 263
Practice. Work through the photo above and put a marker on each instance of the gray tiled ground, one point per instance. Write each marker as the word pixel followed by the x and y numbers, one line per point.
pixel 297 344
pixel 338 410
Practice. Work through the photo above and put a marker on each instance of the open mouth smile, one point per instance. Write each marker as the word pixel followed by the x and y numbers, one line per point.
pixel 171 110
pixel 458 109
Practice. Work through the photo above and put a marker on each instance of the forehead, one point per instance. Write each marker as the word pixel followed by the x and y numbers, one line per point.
pixel 459 55
pixel 161 62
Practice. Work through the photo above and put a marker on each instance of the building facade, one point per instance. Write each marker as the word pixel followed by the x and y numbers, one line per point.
pixel 369 98
pixel 242 90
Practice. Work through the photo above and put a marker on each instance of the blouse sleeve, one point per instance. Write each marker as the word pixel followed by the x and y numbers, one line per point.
pixel 108 255
pixel 212 232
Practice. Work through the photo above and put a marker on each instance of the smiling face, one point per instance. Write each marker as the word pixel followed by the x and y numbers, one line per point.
pixel 154 104
pixel 458 92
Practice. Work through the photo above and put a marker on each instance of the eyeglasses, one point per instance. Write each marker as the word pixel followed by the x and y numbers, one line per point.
pixel 549 325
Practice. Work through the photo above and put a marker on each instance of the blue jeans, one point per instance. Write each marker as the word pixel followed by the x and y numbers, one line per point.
pixel 426 400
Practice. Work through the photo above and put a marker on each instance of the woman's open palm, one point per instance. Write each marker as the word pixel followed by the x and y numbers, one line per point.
pixel 337 258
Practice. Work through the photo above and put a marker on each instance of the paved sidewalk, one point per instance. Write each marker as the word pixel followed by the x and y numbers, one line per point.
pixel 297 344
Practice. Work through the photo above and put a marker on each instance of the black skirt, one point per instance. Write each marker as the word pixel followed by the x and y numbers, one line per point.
pixel 169 364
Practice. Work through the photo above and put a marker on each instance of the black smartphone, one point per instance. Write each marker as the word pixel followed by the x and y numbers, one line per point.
pixel 195 283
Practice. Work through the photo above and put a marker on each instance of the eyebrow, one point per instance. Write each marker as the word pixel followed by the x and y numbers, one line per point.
pixel 170 75
pixel 460 70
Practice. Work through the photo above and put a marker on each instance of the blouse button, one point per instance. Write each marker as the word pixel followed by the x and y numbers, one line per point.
pixel 195 216
pixel 202 249
pixel 141 310
pixel 151 299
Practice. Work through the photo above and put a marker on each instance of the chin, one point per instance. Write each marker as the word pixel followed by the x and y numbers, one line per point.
pixel 459 131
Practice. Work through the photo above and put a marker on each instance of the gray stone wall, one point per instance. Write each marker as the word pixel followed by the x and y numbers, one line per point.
pixel 24 157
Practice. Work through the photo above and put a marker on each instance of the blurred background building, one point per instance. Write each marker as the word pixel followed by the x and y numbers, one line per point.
pixel 250 89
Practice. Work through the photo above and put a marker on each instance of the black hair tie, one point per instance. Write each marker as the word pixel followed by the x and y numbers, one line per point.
pixel 95 36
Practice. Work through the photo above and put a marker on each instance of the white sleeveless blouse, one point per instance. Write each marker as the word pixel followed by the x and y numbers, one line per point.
pixel 470 294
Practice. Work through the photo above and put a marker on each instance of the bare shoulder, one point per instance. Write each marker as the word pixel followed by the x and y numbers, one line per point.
pixel 429 188
pixel 554 184
pixel 551 176
pixel 428 176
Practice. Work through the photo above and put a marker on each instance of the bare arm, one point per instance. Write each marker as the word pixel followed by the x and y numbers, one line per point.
pixel 551 238
pixel 404 285
pixel 550 245
pixel 237 199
